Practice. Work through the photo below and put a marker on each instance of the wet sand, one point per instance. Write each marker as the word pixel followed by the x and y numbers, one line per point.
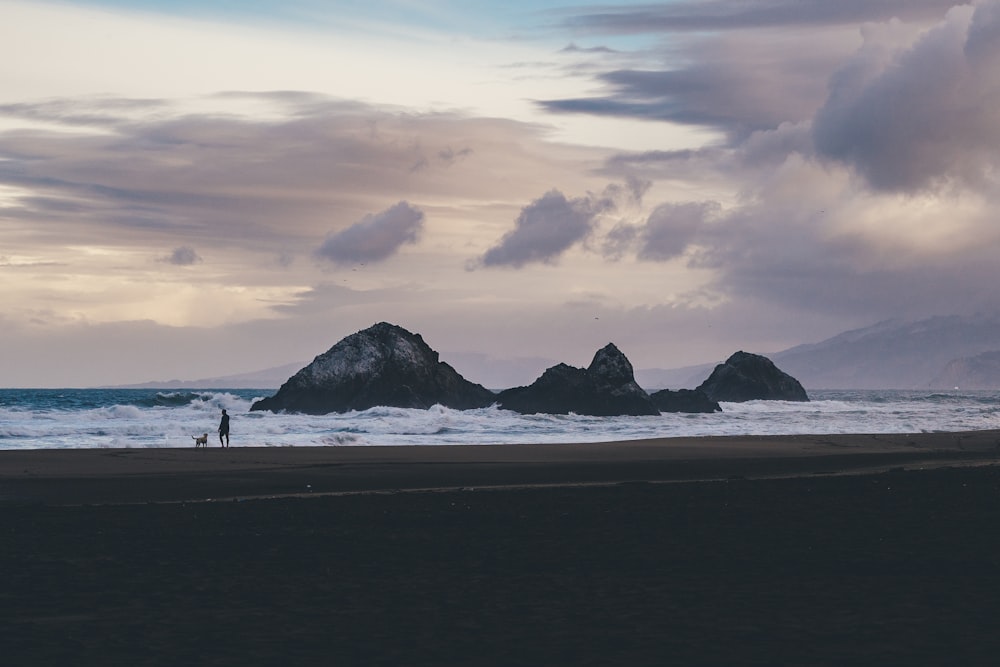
pixel 113 476
pixel 807 550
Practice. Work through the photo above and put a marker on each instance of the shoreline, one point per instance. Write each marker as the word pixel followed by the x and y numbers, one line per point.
pixel 131 476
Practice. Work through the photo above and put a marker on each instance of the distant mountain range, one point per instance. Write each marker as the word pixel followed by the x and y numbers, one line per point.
pixel 900 355
pixel 941 352
pixel 936 353
pixel 268 378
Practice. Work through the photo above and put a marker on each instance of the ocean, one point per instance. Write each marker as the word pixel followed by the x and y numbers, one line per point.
pixel 94 418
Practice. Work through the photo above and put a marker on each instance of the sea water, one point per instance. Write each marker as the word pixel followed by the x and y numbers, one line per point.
pixel 90 418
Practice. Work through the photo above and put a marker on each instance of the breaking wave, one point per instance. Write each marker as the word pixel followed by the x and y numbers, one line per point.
pixel 88 418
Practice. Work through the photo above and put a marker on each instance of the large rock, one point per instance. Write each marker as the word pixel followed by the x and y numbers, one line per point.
pixel 684 400
pixel 605 388
pixel 382 365
pixel 749 377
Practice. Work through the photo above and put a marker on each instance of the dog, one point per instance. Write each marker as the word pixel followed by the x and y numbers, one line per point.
pixel 200 440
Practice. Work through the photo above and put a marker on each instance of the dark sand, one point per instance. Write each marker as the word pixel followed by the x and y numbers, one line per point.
pixel 804 550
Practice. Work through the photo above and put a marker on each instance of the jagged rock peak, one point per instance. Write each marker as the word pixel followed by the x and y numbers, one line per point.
pixel 607 387
pixel 610 365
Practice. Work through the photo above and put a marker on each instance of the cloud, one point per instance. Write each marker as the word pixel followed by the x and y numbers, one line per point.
pixel 679 17
pixel 877 202
pixel 97 111
pixel 912 108
pixel 733 66
pixel 261 181
pixel 920 114
pixel 732 97
pixel 808 238
pixel 666 234
pixel 735 83
pixel 376 237
pixel 449 156
pixel 120 170
pixel 573 48
pixel 545 229
pixel 619 240
pixel 671 228
pixel 183 256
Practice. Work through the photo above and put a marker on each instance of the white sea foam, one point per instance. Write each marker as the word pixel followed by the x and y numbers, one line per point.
pixel 106 418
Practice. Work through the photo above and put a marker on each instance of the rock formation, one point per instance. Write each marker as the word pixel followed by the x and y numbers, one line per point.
pixel 607 387
pixel 748 377
pixel 382 365
pixel 684 400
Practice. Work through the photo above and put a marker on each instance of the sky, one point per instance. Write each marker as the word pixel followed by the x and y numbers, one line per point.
pixel 194 189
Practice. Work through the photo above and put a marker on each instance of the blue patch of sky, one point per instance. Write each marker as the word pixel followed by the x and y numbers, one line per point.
pixel 514 19
pixel 446 15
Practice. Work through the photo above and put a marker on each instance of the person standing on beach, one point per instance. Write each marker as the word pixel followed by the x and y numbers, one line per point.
pixel 224 429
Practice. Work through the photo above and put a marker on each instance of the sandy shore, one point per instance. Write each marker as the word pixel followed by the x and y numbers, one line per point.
pixel 533 555
pixel 100 476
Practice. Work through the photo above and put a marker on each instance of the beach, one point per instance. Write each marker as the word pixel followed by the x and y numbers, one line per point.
pixel 823 550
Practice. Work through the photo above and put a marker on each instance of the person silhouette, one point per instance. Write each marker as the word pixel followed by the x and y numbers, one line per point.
pixel 224 429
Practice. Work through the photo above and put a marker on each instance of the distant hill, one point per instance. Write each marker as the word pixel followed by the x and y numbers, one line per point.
pixel 268 378
pixel 892 354
pixel 979 372
pixel 687 377
pixel 496 373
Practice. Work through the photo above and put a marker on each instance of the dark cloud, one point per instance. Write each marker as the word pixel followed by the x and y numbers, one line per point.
pixel 667 232
pixel 922 114
pixel 770 148
pixel 731 65
pixel 629 193
pixel 573 48
pixel 740 14
pixel 731 96
pixel 183 256
pixel 619 241
pixel 545 229
pixel 736 83
pixel 671 228
pixel 376 237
